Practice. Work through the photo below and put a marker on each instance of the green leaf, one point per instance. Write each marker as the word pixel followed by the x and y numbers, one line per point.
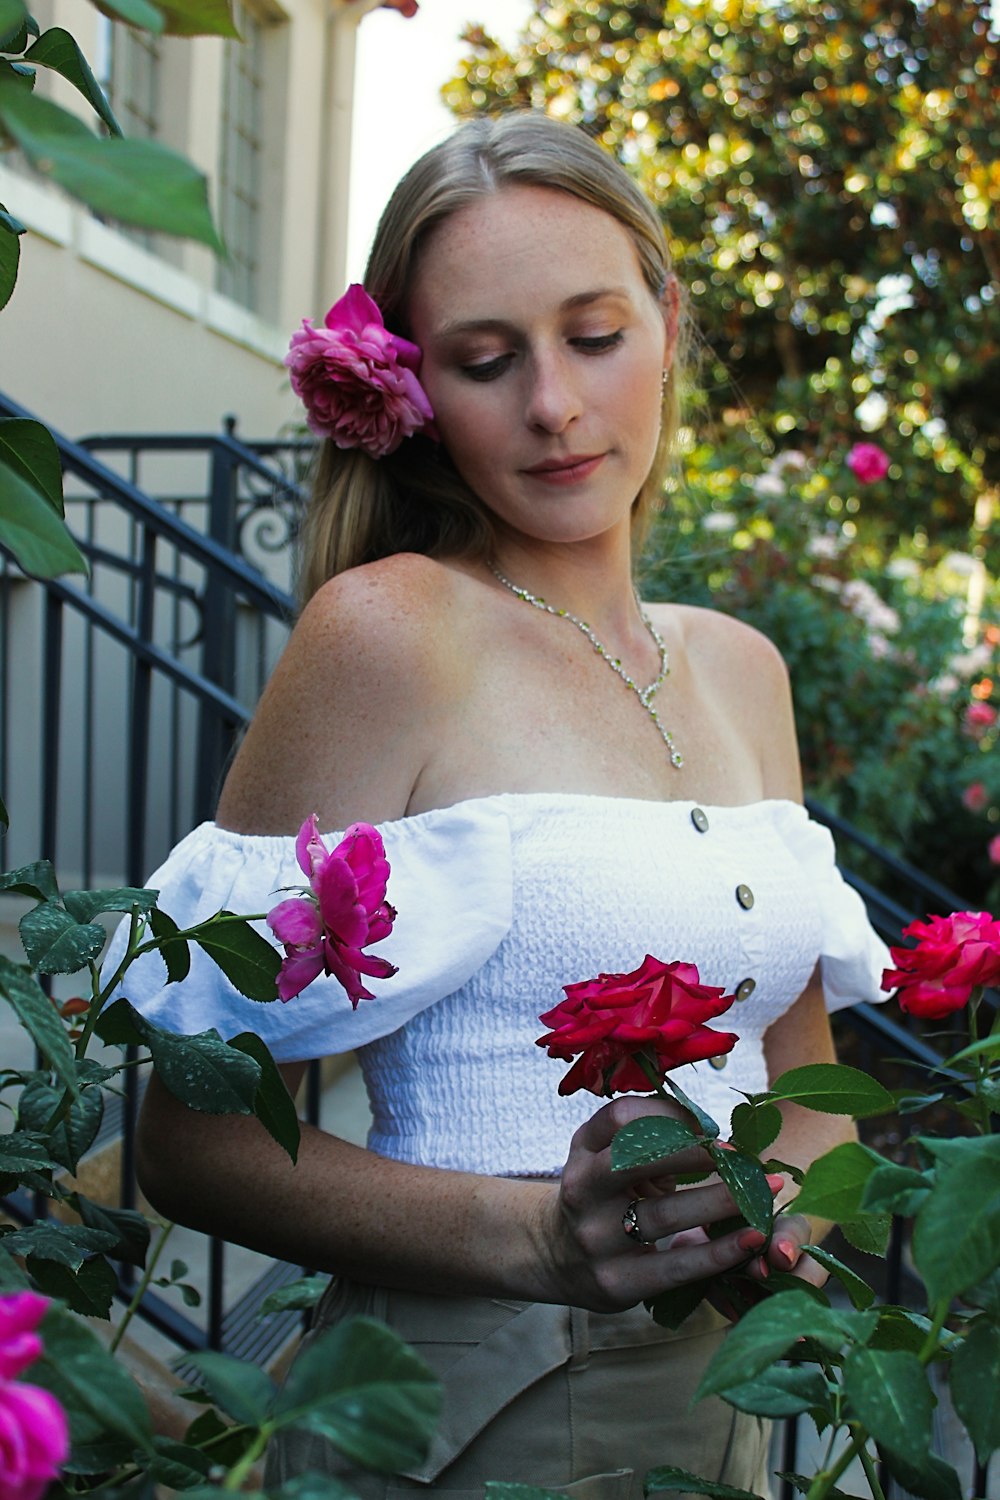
pixel 781 1391
pixel 56 943
pixel 833 1089
pixel 10 258
pixel 101 1400
pixel 89 1291
pixel 898 1329
pixel 747 1184
pixel 670 1478
pixel 199 18
pixel 139 13
pixel 931 1479
pixel 895 1190
pixel 75 1133
pixel 273 1104
pixel 127 1226
pixel 86 905
pixel 649 1139
pixel 37 880
pixel 176 955
pixel 834 1184
pixel 495 1489
pixel 13 15
pixel 228 1443
pixel 57 50
pixel 21 1153
pixel 705 1122
pixel 860 1293
pixel 134 181
pixel 243 1391
pixel 248 960
pixel 870 1234
pixel 4 819
pixel 203 1071
pixel 120 1025
pixel 671 1308
pixel 770 1330
pixel 360 1387
pixel 754 1127
pixel 975 1385
pixel 177 1465
pixel 313 1486
pixel 889 1394
pixel 956 1234
pixel 30 450
pixel 31 530
pixel 297 1294
pixel 41 1020
pixel 803 1483
pixel 67 1244
pixel 985 1294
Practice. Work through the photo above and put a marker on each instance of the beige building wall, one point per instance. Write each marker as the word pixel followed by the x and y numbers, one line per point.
pixel 105 333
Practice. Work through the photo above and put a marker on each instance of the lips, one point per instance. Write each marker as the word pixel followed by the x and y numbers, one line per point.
pixel 566 470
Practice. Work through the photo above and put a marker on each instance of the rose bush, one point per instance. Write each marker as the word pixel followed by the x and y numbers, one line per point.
pixel 324 930
pixel 656 1013
pixel 357 381
pixel 868 462
pixel 34 1433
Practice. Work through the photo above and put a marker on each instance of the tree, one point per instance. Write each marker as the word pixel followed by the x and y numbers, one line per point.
pixel 829 175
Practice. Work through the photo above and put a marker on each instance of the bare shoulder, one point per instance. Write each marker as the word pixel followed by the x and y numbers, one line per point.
pixel 344 723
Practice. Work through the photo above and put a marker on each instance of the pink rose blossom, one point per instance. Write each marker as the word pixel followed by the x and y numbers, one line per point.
pixel 657 1010
pixel 953 956
pixel 975 797
pixel 868 462
pixel 357 381
pixel 993 850
pixel 34 1435
pixel 324 930
pixel 979 717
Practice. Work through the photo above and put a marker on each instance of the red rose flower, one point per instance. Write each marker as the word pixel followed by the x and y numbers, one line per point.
pixel 952 957
pixel 658 1010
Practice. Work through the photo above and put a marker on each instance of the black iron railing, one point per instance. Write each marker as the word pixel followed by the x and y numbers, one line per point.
pixel 137 683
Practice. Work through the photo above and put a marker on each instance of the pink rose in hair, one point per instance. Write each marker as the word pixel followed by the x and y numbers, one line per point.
pixel 357 381
pixel 868 462
pixel 324 930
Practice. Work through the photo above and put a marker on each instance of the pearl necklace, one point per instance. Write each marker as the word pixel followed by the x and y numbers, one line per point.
pixel 645 694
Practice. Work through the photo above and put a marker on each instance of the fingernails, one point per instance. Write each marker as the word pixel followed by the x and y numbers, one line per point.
pixel 763 1269
pixel 787 1249
pixel 775 1183
pixel 751 1239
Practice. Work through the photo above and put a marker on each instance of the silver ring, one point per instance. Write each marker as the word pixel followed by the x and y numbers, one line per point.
pixel 630 1224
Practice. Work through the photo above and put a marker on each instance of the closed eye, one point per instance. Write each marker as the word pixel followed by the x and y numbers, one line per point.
pixel 488 369
pixel 599 343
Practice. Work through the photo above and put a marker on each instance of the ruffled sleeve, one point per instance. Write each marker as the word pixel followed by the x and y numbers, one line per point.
pixel 852 953
pixel 450 882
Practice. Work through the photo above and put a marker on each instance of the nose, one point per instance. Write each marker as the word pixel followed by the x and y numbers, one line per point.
pixel 553 399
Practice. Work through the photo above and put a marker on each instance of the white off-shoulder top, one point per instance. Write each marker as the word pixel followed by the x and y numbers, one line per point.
pixel 501 901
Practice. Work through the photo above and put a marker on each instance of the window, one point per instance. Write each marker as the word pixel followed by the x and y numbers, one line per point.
pixel 128 66
pixel 241 150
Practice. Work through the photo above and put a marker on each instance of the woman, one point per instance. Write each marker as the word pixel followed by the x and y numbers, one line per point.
pixel 545 819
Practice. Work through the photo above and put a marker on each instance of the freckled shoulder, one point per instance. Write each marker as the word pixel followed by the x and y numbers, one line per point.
pixel 348 717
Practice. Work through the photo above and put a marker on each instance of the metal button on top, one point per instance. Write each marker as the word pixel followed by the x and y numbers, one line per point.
pixel 718 1062
pixel 745 989
pixel 744 896
pixel 700 819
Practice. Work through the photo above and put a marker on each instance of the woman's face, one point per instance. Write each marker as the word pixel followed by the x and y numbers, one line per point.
pixel 543 356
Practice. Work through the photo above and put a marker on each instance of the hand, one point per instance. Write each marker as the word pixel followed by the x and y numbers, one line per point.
pixel 587 1258
pixel 784 1252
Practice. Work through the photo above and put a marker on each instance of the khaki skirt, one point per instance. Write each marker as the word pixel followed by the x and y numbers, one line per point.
pixel 553 1396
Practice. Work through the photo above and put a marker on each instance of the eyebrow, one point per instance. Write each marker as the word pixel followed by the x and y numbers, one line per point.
pixel 496 325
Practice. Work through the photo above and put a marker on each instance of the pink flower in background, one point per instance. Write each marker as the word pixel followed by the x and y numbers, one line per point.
pixel 34 1435
pixel 978 717
pixel 975 797
pixel 658 1010
pixel 324 930
pixel 868 462
pixel 993 850
pixel 357 381
pixel 953 956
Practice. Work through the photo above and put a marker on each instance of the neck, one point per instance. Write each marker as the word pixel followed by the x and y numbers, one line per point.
pixel 589 579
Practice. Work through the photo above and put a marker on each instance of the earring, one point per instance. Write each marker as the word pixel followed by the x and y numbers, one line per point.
pixel 664 377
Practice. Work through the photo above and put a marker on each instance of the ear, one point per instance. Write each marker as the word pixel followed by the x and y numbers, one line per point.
pixel 670 304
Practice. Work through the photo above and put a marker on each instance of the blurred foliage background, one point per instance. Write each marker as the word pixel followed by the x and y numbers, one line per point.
pixel 829 179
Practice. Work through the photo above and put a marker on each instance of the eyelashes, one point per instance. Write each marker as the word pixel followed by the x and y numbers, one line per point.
pixel 492 369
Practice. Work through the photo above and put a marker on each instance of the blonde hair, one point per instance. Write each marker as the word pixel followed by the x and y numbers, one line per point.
pixel 413 500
